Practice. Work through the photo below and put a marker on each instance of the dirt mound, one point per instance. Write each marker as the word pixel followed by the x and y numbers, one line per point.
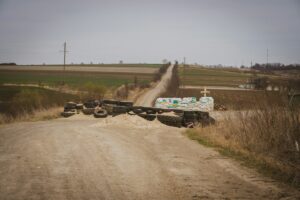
pixel 129 121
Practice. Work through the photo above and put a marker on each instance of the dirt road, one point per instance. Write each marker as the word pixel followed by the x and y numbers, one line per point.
pixel 125 157
pixel 149 97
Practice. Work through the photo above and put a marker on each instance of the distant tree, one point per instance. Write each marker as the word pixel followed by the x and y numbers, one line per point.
pixel 260 83
pixel 8 63
pixel 121 62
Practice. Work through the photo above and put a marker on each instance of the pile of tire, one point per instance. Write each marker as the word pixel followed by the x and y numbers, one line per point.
pixel 90 106
pixel 69 109
pixel 100 113
pixel 171 120
pixel 172 117
pixel 205 119
pixel 114 110
pixel 144 112
pixel 190 119
pixel 114 107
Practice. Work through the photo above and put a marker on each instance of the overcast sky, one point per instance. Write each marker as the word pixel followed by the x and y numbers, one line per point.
pixel 229 32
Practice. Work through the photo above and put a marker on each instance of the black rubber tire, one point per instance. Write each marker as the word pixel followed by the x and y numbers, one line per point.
pixel 79 106
pixel 207 122
pixel 190 117
pixel 88 111
pixel 166 110
pixel 70 105
pixel 100 113
pixel 90 105
pixel 151 111
pixel 160 111
pixel 98 102
pixel 68 113
pixel 148 117
pixel 202 115
pixel 137 110
pixel 130 112
pixel 108 108
pixel 170 120
pixel 115 109
pixel 120 109
pixel 126 103
pixel 108 101
pixel 69 110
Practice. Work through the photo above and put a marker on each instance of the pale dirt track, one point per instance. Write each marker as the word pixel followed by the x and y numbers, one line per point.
pixel 148 98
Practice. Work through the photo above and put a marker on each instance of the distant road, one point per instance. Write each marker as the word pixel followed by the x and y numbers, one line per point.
pixel 149 97
pixel 80 68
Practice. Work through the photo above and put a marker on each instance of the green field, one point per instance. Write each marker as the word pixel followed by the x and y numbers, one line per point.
pixel 212 77
pixel 73 79
pixel 105 65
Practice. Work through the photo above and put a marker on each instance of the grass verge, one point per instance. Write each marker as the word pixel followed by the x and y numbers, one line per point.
pixel 269 150
pixel 37 115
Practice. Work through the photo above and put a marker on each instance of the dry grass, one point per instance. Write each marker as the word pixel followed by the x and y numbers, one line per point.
pixel 40 114
pixel 266 139
pixel 239 100
pixel 30 103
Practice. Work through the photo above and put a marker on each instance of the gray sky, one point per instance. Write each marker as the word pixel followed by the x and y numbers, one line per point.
pixel 230 32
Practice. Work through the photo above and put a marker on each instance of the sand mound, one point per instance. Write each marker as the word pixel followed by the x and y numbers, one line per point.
pixel 129 121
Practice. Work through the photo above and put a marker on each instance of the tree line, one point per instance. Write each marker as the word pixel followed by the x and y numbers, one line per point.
pixel 275 66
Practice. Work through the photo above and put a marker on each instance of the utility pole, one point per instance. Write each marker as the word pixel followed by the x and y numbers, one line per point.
pixel 65 53
pixel 267 57
pixel 183 72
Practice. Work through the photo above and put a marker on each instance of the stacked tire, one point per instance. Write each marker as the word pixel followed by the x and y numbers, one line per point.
pixel 205 119
pixel 69 109
pixel 100 113
pixel 190 119
pixel 169 120
pixel 90 106
pixel 114 107
pixel 149 117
